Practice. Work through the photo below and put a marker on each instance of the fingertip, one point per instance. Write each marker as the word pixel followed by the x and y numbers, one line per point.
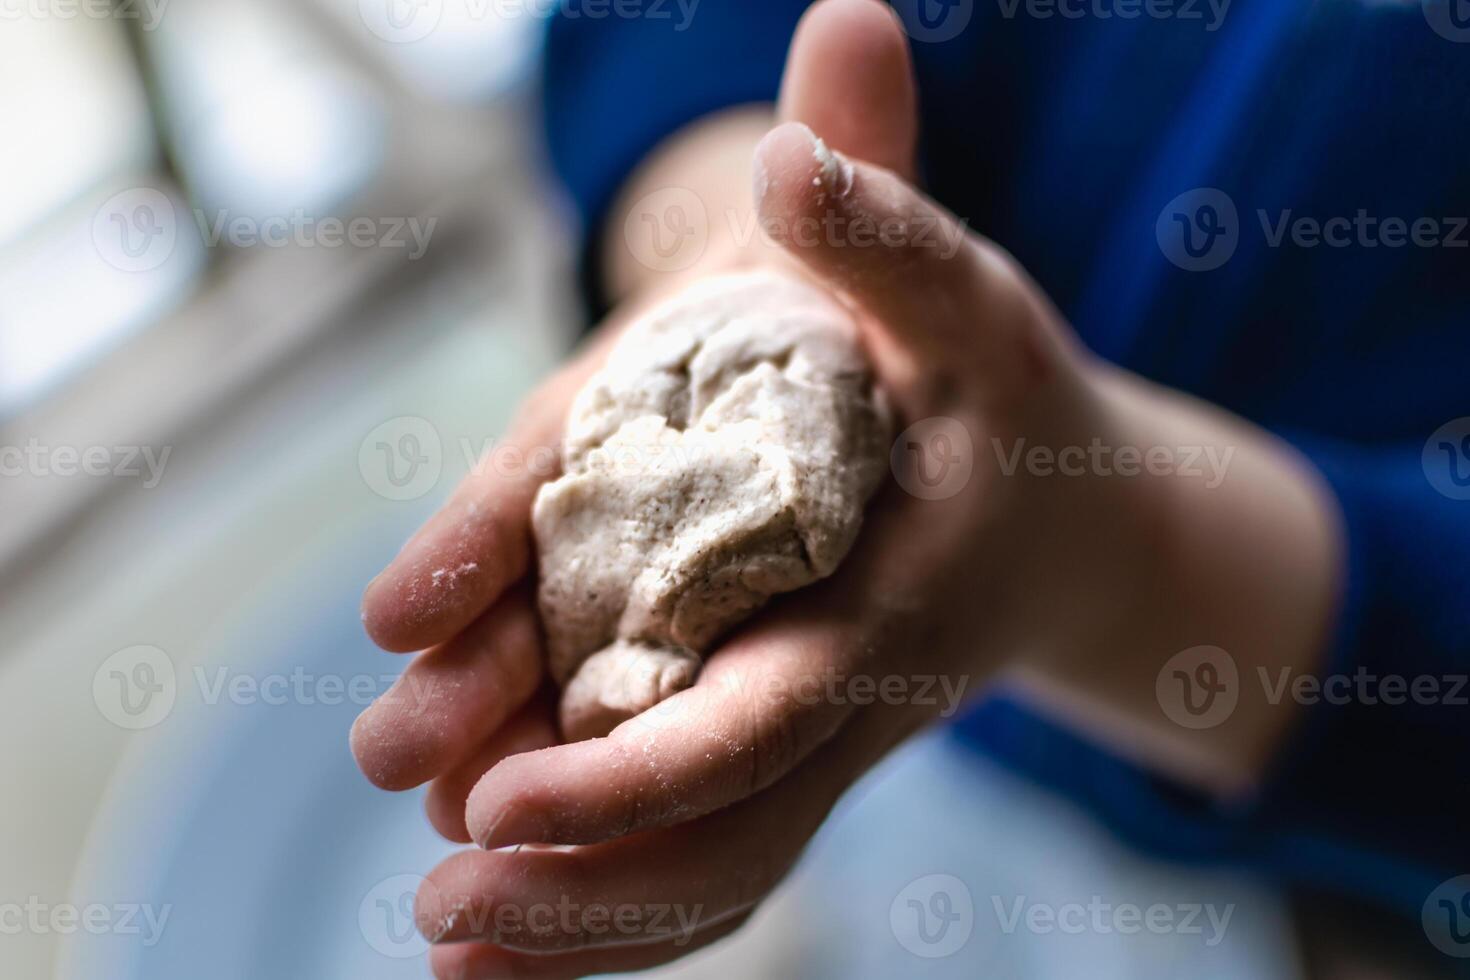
pixel 499 812
pixel 447 574
pixel 481 806
pixel 855 53
pixel 456 961
pixel 378 754
pixel 432 914
pixel 447 801
pixel 869 33
pixel 795 172
pixel 457 900
pixel 447 814
pixel 411 606
pixel 381 622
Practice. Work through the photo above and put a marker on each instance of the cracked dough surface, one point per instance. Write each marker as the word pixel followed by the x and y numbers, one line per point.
pixel 722 455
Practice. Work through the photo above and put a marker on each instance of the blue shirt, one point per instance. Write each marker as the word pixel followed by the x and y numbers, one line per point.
pixel 1107 153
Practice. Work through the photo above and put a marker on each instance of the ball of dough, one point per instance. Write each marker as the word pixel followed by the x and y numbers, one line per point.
pixel 722 455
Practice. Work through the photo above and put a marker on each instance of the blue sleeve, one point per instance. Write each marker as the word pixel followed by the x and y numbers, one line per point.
pixel 1379 759
pixel 615 86
pixel 1370 793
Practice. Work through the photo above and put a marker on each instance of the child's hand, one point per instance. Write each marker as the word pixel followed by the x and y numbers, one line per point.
pixel 693 812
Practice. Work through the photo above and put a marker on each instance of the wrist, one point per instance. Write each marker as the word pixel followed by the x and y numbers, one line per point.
pixel 1239 553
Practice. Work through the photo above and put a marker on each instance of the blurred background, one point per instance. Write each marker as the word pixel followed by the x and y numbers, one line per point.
pixel 273 273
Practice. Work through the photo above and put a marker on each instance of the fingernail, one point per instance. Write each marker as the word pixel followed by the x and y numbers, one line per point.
pixel 513 825
pixel 778 160
pixel 836 175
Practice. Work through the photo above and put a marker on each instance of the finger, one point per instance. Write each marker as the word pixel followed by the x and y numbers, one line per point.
pixel 468 553
pixel 624 894
pixel 757 710
pixel 479 543
pixel 652 887
pixel 483 961
pixel 451 698
pixel 531 728
pixel 849 77
pixel 764 701
pixel 928 282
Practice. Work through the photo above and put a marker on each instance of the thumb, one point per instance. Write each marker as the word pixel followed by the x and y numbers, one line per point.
pixel 952 298
pixel 849 78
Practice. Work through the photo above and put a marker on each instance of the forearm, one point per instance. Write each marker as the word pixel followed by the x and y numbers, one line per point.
pixel 1242 553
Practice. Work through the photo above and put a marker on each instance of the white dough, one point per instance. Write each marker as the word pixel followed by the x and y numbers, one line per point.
pixel 722 455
